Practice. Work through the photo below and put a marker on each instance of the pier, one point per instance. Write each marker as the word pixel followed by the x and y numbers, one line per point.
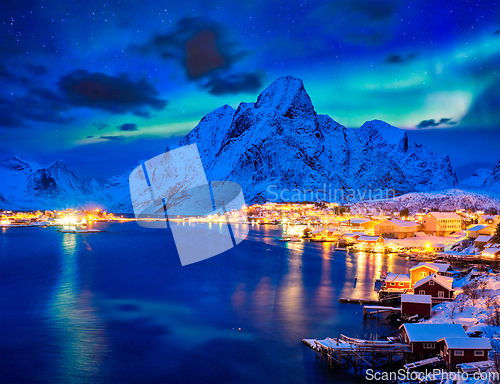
pixel 356 351
pixel 376 310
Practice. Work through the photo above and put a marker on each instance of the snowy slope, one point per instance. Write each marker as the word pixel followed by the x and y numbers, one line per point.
pixel 447 200
pixel 27 185
pixel 492 183
pixel 477 179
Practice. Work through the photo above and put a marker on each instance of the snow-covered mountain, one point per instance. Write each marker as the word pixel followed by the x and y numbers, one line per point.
pixel 279 144
pixel 273 148
pixel 28 185
pixel 477 179
pixel 492 183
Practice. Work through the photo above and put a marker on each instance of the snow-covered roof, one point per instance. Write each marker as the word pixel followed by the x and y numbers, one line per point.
pixel 445 215
pixel 491 251
pixel 356 221
pixel 433 332
pixel 484 238
pixel 477 227
pixel 422 299
pixel 467 342
pixel 441 280
pixel 402 223
pixel 369 238
pixel 438 267
pixel 397 278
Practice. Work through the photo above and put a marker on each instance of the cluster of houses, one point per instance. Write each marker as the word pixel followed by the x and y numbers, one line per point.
pixel 450 341
pixel 56 217
pixel 426 285
pixel 434 280
pixel 435 232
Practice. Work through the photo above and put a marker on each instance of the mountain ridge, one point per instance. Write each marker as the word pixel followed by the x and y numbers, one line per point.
pixel 279 141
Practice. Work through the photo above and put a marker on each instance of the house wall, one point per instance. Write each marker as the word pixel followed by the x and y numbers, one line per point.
pixel 415 274
pixel 440 227
pixel 433 290
pixel 419 348
pixel 420 309
pixel 397 285
pixel 468 356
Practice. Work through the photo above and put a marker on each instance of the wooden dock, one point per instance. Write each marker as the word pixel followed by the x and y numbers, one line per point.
pixel 356 351
pixel 376 310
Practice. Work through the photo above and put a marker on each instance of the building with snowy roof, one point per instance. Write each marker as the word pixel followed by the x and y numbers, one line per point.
pixel 441 223
pixel 397 229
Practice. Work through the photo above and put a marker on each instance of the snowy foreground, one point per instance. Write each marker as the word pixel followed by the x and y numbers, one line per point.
pixel 477 309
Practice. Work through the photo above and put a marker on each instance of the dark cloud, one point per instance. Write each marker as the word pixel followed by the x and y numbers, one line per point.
pixel 127 127
pixel 233 84
pixel 497 32
pixel 77 89
pixel 38 104
pixel 100 125
pixel 115 94
pixel 89 137
pixel 433 123
pixel 111 137
pixel 396 58
pixel 203 48
pixel 199 45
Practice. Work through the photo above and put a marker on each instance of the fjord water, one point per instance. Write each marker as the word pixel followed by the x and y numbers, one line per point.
pixel 118 307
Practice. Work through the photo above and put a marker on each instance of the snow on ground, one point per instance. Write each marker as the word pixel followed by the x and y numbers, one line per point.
pixel 476 313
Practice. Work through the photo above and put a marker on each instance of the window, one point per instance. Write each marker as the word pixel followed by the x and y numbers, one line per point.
pixel 423 274
pixel 429 345
pixel 458 352
pixel 421 292
pixel 393 284
pixel 431 282
pixel 478 353
pixel 441 294
pixel 401 284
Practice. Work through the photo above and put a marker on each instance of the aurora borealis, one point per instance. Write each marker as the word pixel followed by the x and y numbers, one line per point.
pixel 102 85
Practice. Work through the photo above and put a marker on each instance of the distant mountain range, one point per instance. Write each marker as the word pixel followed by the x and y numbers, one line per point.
pixel 272 148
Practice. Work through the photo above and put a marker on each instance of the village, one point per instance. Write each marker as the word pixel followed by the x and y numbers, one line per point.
pixel 67 217
pixel 423 236
pixel 449 321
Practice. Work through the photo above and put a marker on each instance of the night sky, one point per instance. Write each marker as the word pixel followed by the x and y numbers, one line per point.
pixel 102 85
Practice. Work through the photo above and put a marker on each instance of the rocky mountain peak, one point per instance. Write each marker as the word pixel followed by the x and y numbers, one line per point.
pixel 287 96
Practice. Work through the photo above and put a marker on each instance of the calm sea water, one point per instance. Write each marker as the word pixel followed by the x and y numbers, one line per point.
pixel 118 307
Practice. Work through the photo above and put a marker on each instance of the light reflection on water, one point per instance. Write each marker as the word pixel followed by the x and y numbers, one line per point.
pixel 74 321
pixel 123 307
